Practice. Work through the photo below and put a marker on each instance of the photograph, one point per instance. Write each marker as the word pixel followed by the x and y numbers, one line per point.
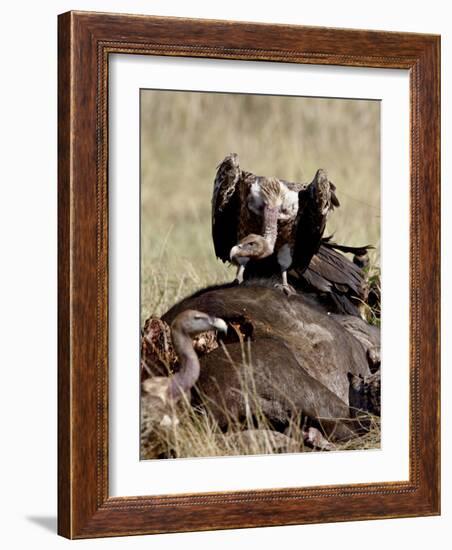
pixel 245 211
pixel 260 274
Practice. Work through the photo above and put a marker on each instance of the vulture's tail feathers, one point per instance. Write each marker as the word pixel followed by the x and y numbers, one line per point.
pixel 360 253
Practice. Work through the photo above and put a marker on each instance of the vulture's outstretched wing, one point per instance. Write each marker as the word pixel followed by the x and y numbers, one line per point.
pixel 226 206
pixel 314 204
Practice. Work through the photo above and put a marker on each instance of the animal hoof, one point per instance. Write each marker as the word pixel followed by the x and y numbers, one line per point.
pixel 373 358
pixel 287 289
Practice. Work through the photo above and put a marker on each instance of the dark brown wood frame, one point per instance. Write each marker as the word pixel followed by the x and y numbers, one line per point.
pixel 85 42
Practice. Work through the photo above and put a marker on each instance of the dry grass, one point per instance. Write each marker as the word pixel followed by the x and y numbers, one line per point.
pixel 184 135
pixel 196 433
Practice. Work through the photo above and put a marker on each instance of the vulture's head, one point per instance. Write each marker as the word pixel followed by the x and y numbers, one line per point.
pixel 252 247
pixel 192 322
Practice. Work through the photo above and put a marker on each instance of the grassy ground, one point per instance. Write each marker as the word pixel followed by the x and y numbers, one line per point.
pixel 184 136
pixel 194 431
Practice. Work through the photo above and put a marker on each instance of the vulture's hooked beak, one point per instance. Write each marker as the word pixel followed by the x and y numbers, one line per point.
pixel 233 253
pixel 220 325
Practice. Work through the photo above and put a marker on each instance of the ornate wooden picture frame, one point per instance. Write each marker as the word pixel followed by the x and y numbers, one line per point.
pixel 86 41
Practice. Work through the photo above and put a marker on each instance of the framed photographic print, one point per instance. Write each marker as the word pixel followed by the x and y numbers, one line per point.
pixel 248 275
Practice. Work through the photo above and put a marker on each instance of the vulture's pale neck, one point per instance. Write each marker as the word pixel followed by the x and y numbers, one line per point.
pixel 188 374
pixel 270 226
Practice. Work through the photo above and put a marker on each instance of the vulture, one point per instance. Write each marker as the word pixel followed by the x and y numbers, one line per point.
pixel 272 226
pixel 159 394
pixel 258 217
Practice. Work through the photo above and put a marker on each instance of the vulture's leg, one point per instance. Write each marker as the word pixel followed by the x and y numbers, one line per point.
pixel 285 261
pixel 239 277
pixel 284 286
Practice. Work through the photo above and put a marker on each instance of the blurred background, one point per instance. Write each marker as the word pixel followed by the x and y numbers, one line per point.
pixel 185 135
